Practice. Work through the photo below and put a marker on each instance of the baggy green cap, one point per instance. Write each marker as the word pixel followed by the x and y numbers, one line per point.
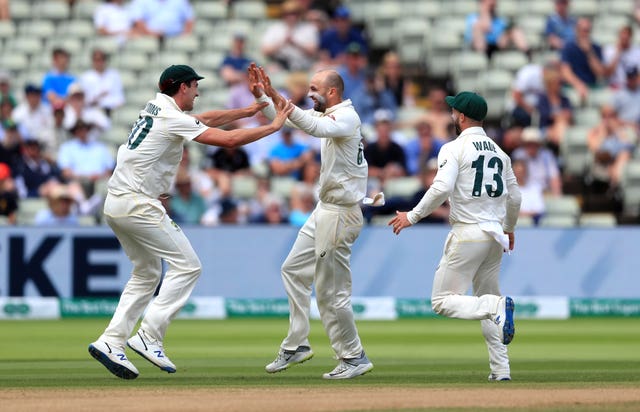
pixel 471 104
pixel 177 73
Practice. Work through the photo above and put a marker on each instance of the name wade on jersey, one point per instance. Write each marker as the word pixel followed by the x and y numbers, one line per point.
pixel 485 146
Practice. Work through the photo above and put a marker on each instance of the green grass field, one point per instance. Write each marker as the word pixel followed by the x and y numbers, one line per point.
pixel 426 353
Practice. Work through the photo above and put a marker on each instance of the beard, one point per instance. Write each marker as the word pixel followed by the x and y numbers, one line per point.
pixel 456 123
pixel 319 102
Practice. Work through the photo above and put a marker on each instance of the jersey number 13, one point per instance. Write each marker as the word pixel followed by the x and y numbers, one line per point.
pixel 496 187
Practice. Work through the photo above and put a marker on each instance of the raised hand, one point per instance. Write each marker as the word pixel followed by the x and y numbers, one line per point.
pixel 255 86
pixel 268 88
pixel 283 110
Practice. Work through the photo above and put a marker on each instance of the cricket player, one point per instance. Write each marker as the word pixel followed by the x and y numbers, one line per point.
pixel 476 176
pixel 146 166
pixel 322 250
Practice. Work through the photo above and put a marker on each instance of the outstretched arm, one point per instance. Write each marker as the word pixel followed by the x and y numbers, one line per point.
pixel 215 118
pixel 239 137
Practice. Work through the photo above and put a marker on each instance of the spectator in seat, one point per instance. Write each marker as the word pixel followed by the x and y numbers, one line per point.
pixel 288 157
pixel 527 87
pixel 611 143
pixel 85 160
pixel 112 18
pixel 101 84
pixel 554 109
pixel 422 149
pixel 582 64
pixel 560 26
pixel 35 173
pixel 36 118
pixel 290 41
pixel 335 40
pixel 620 58
pixel 395 80
pixel 626 101
pixel 371 97
pixel 162 18
pixel 77 109
pixel 542 164
pixel 385 157
pixel 61 210
pixel 438 114
pixel 188 207
pixel 353 71
pixel 234 66
pixel 487 32
pixel 532 193
pixel 57 80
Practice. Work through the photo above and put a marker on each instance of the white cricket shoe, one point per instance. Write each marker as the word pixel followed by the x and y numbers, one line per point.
pixel 287 358
pixel 114 359
pixel 350 368
pixel 496 377
pixel 504 320
pixel 151 350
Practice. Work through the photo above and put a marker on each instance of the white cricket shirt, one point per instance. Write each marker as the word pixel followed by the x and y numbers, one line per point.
pixel 148 161
pixel 343 169
pixel 476 176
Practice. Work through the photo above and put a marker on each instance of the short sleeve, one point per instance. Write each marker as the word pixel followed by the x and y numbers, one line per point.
pixel 185 126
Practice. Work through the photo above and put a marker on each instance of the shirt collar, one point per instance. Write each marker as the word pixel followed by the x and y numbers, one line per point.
pixel 167 100
pixel 335 107
pixel 473 130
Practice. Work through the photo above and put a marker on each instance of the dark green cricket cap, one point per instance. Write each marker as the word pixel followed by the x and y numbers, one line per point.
pixel 177 73
pixel 471 104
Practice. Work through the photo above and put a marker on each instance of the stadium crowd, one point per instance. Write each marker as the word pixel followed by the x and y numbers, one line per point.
pixel 59 133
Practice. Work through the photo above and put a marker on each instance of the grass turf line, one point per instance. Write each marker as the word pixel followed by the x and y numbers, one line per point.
pixel 410 352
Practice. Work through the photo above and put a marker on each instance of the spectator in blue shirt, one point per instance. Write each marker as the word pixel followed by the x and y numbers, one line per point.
pixel 560 26
pixel 372 96
pixel 188 206
pixel 336 39
pixel 162 18
pixel 353 70
pixel 420 150
pixel 487 32
pixel 582 60
pixel 56 82
pixel 288 157
pixel 61 210
pixel 235 63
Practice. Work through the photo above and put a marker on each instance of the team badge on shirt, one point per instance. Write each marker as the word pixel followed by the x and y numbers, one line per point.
pixel 443 163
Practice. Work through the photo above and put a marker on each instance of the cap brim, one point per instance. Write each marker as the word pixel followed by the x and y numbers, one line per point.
pixel 450 100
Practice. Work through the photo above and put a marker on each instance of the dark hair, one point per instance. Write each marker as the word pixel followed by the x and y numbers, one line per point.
pixel 170 88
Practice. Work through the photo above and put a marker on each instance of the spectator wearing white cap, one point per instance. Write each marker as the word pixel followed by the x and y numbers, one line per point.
pixel 61 210
pixel 76 109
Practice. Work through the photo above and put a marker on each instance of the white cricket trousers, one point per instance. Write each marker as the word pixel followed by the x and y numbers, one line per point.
pixel 322 253
pixel 471 258
pixel 148 235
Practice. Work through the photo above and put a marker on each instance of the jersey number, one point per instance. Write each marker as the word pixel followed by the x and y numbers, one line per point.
pixel 139 132
pixel 494 163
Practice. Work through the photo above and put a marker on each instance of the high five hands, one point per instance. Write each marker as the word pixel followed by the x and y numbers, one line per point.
pixel 259 83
